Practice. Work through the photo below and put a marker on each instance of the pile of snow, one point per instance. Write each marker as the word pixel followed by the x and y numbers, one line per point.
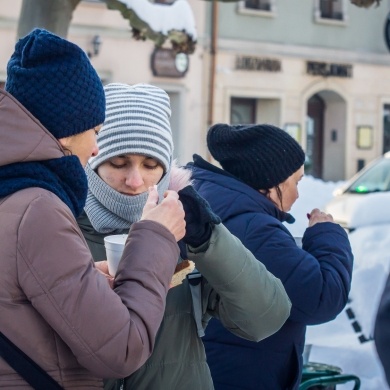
pixel 313 193
pixel 337 342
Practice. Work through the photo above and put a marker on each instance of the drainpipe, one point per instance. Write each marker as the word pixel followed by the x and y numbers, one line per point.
pixel 213 53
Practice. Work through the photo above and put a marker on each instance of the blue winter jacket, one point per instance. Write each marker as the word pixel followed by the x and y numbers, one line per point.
pixel 317 279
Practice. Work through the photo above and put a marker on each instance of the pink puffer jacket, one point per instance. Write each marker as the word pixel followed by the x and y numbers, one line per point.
pixel 54 304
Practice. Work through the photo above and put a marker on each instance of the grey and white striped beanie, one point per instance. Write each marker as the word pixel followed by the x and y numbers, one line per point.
pixel 137 122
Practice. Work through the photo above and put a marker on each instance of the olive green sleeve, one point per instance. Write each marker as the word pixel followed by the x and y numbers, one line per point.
pixel 249 301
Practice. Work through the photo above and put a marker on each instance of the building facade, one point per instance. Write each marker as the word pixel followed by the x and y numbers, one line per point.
pixel 319 69
pixel 118 57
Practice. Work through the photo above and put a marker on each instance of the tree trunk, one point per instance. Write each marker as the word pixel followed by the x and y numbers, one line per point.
pixel 52 15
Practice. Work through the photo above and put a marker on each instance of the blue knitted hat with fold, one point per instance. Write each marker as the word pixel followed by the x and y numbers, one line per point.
pixel 54 80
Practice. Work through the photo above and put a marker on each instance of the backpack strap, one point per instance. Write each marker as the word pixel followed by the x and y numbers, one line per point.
pixel 195 283
pixel 26 367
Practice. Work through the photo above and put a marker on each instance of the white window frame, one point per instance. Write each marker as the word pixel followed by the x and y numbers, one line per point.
pixel 169 2
pixel 241 9
pixel 334 22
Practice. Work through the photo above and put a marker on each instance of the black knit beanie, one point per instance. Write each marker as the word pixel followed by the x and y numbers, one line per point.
pixel 54 80
pixel 261 156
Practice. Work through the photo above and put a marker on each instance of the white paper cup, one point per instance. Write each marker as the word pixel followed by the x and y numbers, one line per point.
pixel 114 248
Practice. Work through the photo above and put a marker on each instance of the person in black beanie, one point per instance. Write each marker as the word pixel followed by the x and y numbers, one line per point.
pixel 54 301
pixel 252 194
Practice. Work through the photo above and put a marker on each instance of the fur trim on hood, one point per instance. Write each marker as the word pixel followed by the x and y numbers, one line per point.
pixel 180 177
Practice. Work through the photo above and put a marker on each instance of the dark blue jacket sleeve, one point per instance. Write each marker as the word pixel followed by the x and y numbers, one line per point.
pixel 317 278
pixel 382 330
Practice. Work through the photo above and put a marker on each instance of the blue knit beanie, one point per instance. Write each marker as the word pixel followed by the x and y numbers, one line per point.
pixel 261 156
pixel 54 79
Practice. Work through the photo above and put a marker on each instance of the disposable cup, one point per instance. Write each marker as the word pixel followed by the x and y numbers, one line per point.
pixel 114 248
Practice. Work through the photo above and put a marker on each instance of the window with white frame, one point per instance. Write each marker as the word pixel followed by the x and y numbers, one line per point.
pixel 242 111
pixel 331 11
pixel 263 5
pixel 386 128
pixel 258 7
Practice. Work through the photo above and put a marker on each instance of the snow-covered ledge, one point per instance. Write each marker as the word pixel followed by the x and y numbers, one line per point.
pixel 160 22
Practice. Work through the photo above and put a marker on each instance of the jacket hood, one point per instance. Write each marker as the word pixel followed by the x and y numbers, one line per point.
pixel 179 178
pixel 22 137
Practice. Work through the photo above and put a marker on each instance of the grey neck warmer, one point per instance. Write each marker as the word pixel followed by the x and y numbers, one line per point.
pixel 109 210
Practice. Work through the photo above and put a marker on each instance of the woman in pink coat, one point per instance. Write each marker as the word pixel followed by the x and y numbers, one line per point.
pixel 55 305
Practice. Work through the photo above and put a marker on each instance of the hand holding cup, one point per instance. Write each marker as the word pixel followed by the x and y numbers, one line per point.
pixel 169 212
pixel 318 216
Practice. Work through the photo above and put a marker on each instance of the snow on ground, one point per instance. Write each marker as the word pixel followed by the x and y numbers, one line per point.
pixel 336 342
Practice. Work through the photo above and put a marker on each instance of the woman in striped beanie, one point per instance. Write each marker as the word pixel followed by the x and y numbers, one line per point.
pixel 135 152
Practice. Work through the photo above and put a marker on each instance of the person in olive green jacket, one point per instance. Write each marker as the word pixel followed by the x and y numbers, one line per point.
pixel 135 152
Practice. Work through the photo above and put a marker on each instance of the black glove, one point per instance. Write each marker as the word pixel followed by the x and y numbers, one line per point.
pixel 199 217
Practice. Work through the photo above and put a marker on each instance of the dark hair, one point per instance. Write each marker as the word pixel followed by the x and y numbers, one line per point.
pixel 267 192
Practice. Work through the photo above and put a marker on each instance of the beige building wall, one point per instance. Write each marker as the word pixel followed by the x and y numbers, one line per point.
pixel 283 96
pixel 123 59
